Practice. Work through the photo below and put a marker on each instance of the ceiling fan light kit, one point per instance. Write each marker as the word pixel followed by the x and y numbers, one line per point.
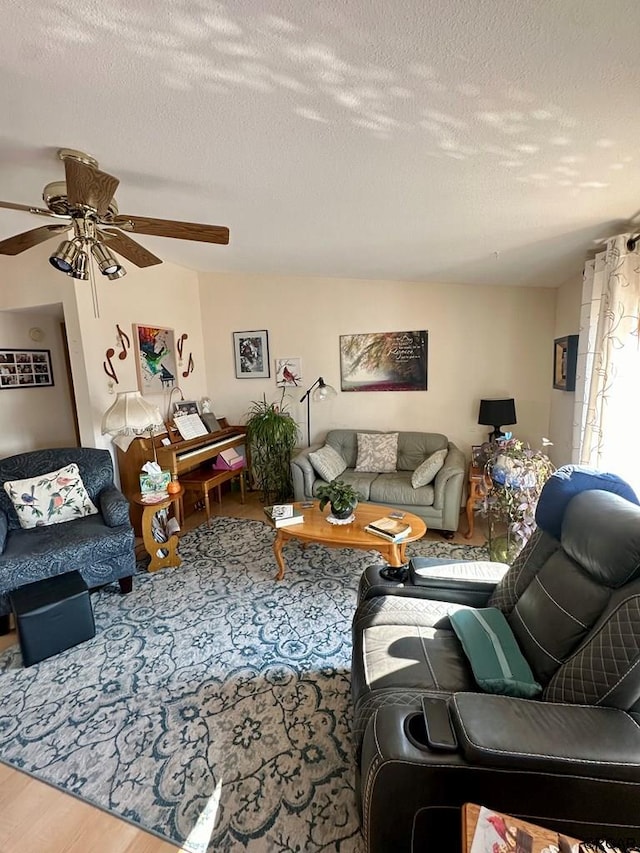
pixel 85 202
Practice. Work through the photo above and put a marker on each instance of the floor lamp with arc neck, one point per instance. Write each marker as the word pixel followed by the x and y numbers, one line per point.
pixel 320 392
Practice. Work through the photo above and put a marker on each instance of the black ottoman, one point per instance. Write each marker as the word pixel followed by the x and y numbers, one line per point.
pixel 52 615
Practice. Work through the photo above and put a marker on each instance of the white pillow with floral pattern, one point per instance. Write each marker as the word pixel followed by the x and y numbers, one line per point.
pixel 50 498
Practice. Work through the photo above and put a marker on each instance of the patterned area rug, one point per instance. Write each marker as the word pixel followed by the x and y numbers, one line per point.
pixel 212 707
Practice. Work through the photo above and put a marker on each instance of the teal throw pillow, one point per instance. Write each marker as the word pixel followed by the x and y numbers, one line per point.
pixel 496 660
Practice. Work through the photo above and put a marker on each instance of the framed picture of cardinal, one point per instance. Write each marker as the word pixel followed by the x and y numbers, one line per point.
pixel 288 372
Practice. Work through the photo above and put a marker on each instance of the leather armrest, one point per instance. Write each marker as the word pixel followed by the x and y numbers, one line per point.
pixel 303 473
pixel 114 506
pixel 470 582
pixel 4 527
pixel 547 737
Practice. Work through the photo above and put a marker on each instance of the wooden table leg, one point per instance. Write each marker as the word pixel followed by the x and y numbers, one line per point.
pixel 242 487
pixel 470 516
pixel 278 542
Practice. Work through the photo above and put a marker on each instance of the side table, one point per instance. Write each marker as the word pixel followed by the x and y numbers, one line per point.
pixel 171 558
pixel 478 484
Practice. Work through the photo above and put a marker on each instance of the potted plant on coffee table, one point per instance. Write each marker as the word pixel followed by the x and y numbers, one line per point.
pixel 342 497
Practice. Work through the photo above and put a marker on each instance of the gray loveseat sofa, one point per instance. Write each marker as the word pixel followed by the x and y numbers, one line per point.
pixel 99 546
pixel 569 758
pixel 438 503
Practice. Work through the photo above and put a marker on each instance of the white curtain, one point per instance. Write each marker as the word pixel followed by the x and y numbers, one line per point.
pixel 606 432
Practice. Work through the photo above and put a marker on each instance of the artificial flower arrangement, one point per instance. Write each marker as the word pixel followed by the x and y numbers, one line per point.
pixel 516 474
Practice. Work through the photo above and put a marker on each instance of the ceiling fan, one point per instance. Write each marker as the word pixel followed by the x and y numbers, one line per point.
pixel 85 202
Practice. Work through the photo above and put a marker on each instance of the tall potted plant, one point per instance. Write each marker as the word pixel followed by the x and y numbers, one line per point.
pixel 516 474
pixel 271 435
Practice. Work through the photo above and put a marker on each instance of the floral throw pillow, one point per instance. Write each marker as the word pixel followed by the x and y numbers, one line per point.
pixel 50 498
pixel 327 462
pixel 377 452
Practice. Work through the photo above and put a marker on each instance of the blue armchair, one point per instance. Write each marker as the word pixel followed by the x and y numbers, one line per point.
pixel 99 546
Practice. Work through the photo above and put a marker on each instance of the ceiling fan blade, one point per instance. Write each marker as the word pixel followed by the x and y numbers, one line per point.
pixel 127 247
pixel 9 205
pixel 21 242
pixel 88 186
pixel 173 228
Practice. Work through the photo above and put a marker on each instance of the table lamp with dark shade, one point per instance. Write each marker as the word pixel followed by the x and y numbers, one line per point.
pixel 496 413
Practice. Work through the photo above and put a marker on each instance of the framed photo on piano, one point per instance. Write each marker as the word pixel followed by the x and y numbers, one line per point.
pixel 185 407
pixel 251 352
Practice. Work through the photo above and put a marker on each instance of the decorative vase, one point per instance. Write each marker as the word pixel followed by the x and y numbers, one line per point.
pixel 173 486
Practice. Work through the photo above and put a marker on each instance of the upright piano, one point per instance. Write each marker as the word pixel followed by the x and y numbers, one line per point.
pixel 178 457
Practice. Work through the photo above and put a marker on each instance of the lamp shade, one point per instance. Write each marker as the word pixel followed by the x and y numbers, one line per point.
pixel 496 413
pixel 323 391
pixel 131 414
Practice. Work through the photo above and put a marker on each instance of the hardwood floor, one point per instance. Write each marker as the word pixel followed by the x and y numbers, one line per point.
pixel 38 818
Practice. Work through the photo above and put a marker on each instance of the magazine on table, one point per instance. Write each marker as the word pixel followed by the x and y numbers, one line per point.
pixel 496 832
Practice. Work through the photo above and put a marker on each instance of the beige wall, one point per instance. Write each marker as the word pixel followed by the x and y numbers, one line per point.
pixel 483 342
pixel 48 411
pixel 165 295
pixel 568 298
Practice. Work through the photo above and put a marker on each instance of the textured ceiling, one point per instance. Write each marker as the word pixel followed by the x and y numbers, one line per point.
pixel 468 141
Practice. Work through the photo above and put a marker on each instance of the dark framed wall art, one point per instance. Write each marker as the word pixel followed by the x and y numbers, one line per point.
pixel 251 353
pixel 565 356
pixel 25 368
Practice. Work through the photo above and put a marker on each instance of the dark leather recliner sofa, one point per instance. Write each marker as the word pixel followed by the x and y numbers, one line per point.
pixel 568 759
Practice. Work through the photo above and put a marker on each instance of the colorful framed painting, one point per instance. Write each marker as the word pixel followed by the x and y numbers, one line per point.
pixel 25 368
pixel 384 361
pixel 288 372
pixel 155 348
pixel 251 351
pixel 565 357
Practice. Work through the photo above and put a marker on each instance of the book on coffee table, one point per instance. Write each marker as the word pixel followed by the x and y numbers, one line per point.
pixel 283 519
pixel 389 528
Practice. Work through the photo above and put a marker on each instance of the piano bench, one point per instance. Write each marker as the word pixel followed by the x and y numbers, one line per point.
pixel 204 479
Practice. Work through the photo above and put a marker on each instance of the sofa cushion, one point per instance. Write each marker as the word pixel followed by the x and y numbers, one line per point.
pixel 361 482
pixel 377 453
pixel 427 470
pixel 498 664
pixel 327 462
pixel 396 490
pixel 86 544
pixel 50 498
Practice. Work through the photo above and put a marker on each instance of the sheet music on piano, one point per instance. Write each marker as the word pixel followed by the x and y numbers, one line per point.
pixel 190 426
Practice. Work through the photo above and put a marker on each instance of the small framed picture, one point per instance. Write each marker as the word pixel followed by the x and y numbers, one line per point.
pixel 288 372
pixel 251 351
pixel 565 355
pixel 186 407
pixel 476 452
pixel 25 368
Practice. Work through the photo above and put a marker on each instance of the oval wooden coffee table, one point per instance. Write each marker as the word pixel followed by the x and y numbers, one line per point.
pixel 316 528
